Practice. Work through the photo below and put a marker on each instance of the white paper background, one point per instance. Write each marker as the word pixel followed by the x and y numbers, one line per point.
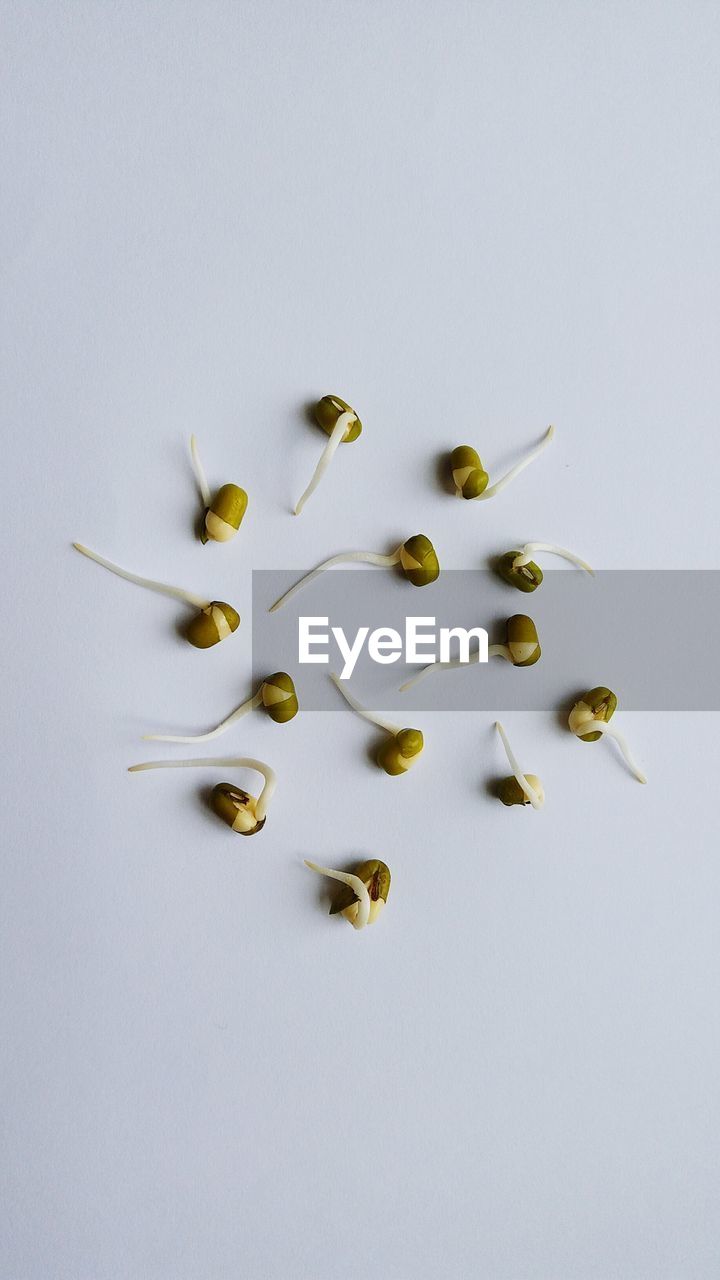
pixel 470 220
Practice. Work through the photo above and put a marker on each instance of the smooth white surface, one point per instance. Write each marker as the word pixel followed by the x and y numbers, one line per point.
pixel 469 220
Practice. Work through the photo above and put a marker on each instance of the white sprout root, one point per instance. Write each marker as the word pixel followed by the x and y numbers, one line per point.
pixel 219 729
pixel 326 457
pixel 525 555
pixel 177 593
pixel 600 726
pixel 199 470
pixel 346 557
pixel 357 886
pixel 494 651
pixel 361 711
pixel 223 762
pixel 530 792
pixel 519 466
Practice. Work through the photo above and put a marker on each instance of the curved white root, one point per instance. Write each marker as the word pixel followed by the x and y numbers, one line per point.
pixel 162 588
pixel 519 466
pixel 326 457
pixel 494 651
pixel 600 726
pixel 522 781
pixel 437 666
pixel 223 762
pixel 357 706
pixel 499 651
pixel 525 555
pixel 199 470
pixel 219 729
pixel 357 886
pixel 346 557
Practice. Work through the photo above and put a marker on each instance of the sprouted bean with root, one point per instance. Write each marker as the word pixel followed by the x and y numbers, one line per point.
pixel 416 557
pixel 470 478
pixel 364 894
pixel 589 719
pixel 214 621
pixel 518 569
pixel 521 788
pixel 276 694
pixel 223 514
pixel 238 809
pixel 403 746
pixel 521 648
pixel 341 423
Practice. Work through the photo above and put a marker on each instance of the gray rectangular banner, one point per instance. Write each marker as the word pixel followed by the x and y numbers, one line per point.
pixel 646 635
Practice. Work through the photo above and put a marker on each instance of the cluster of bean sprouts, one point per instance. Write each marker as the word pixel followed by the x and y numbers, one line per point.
pixel 365 889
